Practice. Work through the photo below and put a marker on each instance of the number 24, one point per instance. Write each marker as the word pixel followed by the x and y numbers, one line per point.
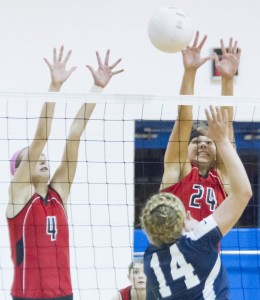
pixel 198 195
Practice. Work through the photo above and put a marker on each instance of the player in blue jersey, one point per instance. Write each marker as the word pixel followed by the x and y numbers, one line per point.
pixel 187 265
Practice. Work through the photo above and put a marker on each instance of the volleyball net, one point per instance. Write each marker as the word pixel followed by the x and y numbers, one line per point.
pixel 120 165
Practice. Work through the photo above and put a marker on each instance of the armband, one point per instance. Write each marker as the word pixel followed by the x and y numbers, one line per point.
pixel 96 89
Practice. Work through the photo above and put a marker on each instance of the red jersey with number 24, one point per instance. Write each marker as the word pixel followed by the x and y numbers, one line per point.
pixel 39 238
pixel 200 195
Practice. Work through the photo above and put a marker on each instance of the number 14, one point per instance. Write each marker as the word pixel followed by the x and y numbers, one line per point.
pixel 179 268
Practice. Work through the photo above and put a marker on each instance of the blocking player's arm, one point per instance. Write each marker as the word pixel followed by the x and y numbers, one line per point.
pixel 227 67
pixel 21 189
pixel 177 147
pixel 64 175
pixel 175 159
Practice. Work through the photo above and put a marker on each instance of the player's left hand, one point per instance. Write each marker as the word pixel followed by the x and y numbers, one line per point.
pixel 104 73
pixel 229 62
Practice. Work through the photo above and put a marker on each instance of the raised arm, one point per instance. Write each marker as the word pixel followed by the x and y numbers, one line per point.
pixel 228 213
pixel 21 187
pixel 64 176
pixel 177 148
pixel 227 67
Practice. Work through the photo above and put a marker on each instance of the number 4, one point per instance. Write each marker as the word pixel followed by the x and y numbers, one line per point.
pixel 51 227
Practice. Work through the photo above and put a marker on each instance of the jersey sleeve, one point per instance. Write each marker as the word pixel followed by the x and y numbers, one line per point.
pixel 206 234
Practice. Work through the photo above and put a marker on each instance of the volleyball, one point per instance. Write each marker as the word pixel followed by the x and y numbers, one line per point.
pixel 170 29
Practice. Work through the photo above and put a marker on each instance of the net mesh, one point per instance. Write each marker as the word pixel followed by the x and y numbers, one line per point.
pixel 120 164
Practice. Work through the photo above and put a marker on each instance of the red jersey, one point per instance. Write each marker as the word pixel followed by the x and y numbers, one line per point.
pixel 39 239
pixel 126 293
pixel 200 195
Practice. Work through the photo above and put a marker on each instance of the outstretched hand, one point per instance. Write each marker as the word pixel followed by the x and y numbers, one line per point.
pixel 191 54
pixel 59 74
pixel 217 124
pixel 104 73
pixel 229 62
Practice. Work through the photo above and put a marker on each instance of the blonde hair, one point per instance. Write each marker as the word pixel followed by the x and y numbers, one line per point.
pixel 163 218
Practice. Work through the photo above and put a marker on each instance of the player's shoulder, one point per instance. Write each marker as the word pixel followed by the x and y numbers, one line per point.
pixel 150 249
pixel 215 174
pixel 204 227
pixel 52 192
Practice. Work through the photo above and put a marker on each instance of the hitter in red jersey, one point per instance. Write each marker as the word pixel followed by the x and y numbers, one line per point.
pixel 193 170
pixel 36 212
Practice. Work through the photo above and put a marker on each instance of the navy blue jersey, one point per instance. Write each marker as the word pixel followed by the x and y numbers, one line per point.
pixel 188 269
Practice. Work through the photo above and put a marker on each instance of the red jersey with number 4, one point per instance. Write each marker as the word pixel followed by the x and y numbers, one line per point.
pixel 200 195
pixel 39 238
pixel 126 293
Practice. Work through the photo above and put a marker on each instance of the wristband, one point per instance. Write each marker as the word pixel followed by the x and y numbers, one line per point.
pixel 96 89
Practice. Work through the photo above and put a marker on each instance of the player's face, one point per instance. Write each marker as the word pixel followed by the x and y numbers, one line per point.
pixel 202 151
pixel 137 276
pixel 42 168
